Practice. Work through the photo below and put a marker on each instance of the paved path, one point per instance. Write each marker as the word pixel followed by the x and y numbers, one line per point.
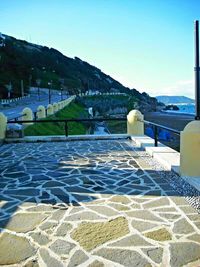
pixel 32 102
pixel 92 203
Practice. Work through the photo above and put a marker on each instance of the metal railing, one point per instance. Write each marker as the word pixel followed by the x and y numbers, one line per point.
pixel 13 100
pixel 155 130
pixel 67 121
pixel 15 119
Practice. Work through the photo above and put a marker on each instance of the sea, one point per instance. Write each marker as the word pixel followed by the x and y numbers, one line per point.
pixel 164 135
pixel 184 108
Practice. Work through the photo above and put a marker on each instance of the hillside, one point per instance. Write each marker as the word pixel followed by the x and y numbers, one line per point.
pixel 39 65
pixel 174 99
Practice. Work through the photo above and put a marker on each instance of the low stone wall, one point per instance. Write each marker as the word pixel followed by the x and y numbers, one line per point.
pixel 13 131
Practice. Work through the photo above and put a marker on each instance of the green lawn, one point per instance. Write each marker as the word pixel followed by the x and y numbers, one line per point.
pixel 73 110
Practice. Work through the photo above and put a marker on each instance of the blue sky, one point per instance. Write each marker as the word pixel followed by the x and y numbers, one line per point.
pixel 145 44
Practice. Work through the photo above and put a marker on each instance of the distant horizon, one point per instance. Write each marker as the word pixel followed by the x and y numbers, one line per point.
pixel 146 45
pixel 175 96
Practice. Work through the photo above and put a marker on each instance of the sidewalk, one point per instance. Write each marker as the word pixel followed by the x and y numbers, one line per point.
pixel 93 203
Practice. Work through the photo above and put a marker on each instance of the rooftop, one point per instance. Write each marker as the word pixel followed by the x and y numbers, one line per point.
pixel 93 203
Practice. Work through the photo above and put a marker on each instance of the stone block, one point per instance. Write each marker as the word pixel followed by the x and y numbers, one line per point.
pixel 189 150
pixel 14 133
pixel 135 126
pixel 41 113
pixel 3 123
pixel 27 115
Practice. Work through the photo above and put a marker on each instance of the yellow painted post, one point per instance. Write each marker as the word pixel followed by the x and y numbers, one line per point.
pixel 189 150
pixel 55 107
pixel 135 126
pixel 49 110
pixel 27 115
pixel 3 126
pixel 41 112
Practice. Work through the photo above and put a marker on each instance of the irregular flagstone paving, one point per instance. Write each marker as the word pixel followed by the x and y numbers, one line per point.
pixel 94 204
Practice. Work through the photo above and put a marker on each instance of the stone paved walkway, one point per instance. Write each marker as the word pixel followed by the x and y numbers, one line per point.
pixel 94 204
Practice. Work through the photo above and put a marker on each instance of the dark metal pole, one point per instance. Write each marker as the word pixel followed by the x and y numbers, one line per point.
pixel 49 96
pixel 61 94
pixel 155 136
pixel 197 69
pixel 38 93
pixel 66 128
pixel 50 89
pixel 35 115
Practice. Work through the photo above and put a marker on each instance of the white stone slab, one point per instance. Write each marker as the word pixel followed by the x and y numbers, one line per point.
pixel 171 161
pixel 144 141
pixel 160 149
pixel 166 156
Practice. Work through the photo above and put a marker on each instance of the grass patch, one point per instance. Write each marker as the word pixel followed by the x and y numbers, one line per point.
pixel 72 111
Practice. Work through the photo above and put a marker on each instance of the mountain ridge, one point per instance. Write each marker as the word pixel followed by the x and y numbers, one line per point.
pixel 35 65
pixel 174 99
pixel 55 65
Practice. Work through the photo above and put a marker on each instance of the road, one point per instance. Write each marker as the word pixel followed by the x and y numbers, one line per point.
pixel 32 102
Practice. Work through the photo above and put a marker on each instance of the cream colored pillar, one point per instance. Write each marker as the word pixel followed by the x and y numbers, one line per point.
pixel 27 115
pixel 41 112
pixel 190 149
pixel 3 126
pixel 55 107
pixel 49 110
pixel 135 126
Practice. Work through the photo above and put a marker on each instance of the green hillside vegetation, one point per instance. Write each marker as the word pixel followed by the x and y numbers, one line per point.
pixel 33 64
pixel 102 104
pixel 20 60
pixel 73 110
